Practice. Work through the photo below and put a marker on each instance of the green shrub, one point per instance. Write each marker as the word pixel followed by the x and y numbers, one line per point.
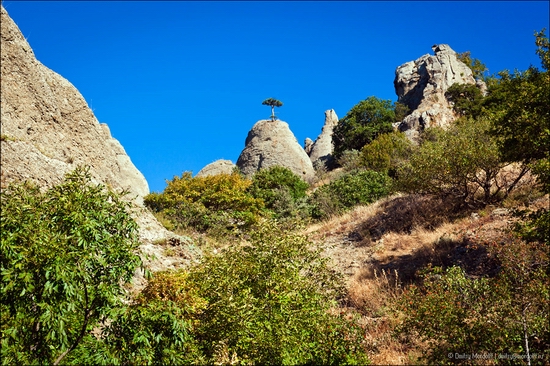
pixel 362 124
pixel 270 301
pixel 506 314
pixel 386 153
pixel 349 160
pixel 355 188
pixel 466 98
pixel 280 189
pixel 156 328
pixel 66 254
pixel 219 204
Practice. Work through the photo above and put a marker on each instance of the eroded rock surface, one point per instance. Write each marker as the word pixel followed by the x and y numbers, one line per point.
pixel 320 151
pixel 217 167
pixel 421 85
pixel 48 128
pixel 271 143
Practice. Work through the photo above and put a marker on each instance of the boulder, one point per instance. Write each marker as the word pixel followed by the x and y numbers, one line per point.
pixel 321 150
pixel 48 128
pixel 421 85
pixel 271 143
pixel 217 167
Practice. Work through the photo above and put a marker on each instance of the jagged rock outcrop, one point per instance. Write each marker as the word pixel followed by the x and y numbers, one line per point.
pixel 320 151
pixel 270 143
pixel 47 127
pixel 217 167
pixel 421 85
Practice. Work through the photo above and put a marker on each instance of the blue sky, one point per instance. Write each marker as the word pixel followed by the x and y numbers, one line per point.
pixel 180 83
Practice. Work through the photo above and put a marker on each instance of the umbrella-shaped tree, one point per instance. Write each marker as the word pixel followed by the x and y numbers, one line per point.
pixel 272 103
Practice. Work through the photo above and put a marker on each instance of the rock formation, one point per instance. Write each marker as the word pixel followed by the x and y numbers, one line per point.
pixel 47 127
pixel 320 151
pixel 218 167
pixel 421 85
pixel 270 143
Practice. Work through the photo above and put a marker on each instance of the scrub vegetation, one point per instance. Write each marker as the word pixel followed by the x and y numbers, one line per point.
pixel 436 252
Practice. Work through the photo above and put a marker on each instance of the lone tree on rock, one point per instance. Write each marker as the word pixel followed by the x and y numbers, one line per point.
pixel 272 103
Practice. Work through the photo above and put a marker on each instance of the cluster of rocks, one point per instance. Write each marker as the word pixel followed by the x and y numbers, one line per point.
pixel 421 85
pixel 48 128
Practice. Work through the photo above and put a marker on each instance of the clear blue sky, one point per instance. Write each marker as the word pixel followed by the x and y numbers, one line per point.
pixel 180 83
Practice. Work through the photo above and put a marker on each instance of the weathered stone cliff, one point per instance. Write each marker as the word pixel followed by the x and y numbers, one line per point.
pixel 47 127
pixel 48 130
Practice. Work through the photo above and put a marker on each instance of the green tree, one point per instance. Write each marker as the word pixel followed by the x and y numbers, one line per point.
pixel 272 103
pixel 518 105
pixel 386 153
pixel 219 204
pixel 66 254
pixel 459 162
pixel 269 302
pixel 478 68
pixel 466 98
pixel 362 124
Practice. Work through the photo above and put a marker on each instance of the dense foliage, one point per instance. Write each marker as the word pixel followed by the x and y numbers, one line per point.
pixel 462 162
pixel 506 314
pixel 156 328
pixel 386 153
pixel 271 302
pixel 282 191
pixel 351 189
pixel 65 256
pixel 218 204
pixel 362 124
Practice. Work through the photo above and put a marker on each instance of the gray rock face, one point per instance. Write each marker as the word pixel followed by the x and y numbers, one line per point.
pixel 321 150
pixel 421 85
pixel 271 143
pixel 47 127
pixel 217 167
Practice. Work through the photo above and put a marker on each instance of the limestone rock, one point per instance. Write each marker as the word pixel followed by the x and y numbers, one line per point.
pixel 47 127
pixel 217 167
pixel 308 143
pixel 321 150
pixel 271 143
pixel 421 85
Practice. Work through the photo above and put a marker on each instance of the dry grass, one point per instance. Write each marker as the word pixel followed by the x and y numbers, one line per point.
pixel 381 247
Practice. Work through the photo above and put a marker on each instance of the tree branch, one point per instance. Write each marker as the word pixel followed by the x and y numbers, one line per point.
pixel 82 330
